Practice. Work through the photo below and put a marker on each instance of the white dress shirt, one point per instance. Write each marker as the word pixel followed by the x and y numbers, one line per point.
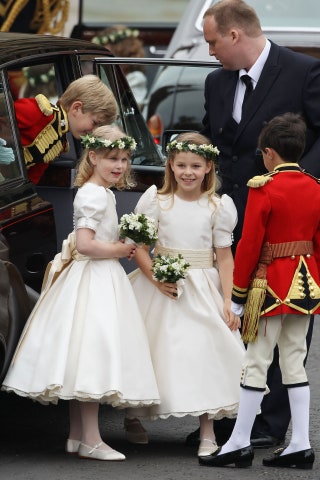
pixel 254 73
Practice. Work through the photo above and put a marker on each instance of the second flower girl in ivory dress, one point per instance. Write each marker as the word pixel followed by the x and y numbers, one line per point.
pixel 193 336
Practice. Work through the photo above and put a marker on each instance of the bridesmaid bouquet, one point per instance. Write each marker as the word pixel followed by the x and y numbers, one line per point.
pixel 166 268
pixel 139 228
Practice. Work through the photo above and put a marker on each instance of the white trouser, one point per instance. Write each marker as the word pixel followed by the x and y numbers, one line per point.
pixel 289 332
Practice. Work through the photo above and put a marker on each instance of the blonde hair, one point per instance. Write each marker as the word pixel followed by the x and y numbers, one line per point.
pixel 85 167
pixel 95 96
pixel 235 13
pixel 209 182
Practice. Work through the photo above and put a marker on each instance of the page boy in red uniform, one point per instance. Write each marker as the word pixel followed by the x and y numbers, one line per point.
pixel 86 104
pixel 276 280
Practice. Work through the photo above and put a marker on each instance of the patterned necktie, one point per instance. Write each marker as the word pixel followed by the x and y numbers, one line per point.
pixel 249 88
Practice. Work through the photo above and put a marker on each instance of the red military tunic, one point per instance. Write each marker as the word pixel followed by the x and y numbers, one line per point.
pixel 43 130
pixel 283 208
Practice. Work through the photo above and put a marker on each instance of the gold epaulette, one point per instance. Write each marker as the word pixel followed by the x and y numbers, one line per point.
pixel 44 104
pixel 260 180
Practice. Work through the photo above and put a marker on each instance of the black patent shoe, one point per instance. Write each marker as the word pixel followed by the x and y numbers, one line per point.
pixel 193 439
pixel 266 441
pixel 303 459
pixel 240 458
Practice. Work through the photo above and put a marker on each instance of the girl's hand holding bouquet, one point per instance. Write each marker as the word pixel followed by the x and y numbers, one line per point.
pixel 170 271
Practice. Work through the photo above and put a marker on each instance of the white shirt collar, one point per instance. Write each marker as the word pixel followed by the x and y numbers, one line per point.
pixel 256 69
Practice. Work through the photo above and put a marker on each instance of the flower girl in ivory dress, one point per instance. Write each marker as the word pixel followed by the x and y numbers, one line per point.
pixel 85 340
pixel 193 335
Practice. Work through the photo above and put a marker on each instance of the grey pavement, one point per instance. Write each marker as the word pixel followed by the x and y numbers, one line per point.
pixel 33 436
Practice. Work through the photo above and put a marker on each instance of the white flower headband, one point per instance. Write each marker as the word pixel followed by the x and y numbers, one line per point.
pixel 209 152
pixel 115 37
pixel 123 143
pixel 39 78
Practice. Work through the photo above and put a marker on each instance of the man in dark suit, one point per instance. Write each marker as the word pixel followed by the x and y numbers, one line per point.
pixel 281 81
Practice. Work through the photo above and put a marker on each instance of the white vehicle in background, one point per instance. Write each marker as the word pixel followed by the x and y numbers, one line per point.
pixel 176 96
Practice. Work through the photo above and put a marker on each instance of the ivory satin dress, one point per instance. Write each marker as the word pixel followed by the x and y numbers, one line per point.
pixel 85 338
pixel 196 357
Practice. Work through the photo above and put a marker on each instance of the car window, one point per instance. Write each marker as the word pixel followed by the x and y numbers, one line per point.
pixel 40 79
pixel 130 118
pixel 176 99
pixel 9 165
pixel 31 80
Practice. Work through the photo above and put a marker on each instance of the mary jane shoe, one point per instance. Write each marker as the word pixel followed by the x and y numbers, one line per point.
pixel 206 447
pixel 72 446
pixel 94 453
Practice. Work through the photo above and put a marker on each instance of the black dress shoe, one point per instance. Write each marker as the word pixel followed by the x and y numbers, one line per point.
pixel 193 439
pixel 302 459
pixel 266 441
pixel 241 458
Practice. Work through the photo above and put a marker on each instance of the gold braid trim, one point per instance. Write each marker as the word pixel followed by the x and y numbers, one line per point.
pixel 28 158
pixel 54 152
pixel 49 141
pixel 5 6
pixel 17 7
pixel 45 18
pixel 45 138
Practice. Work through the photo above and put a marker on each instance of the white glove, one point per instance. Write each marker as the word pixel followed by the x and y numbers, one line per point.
pixel 6 153
pixel 237 309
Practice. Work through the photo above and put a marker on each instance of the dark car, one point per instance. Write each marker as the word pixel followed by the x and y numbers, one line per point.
pixel 21 203
pixel 35 219
pixel 177 95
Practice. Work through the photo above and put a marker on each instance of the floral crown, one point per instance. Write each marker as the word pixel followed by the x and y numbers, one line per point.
pixel 123 143
pixel 209 152
pixel 39 78
pixel 115 37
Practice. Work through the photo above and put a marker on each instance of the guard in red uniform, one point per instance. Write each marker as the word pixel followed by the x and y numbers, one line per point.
pixel 86 104
pixel 277 283
pixel 43 129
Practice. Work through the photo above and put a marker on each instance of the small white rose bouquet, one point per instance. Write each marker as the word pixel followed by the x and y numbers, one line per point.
pixel 166 268
pixel 139 228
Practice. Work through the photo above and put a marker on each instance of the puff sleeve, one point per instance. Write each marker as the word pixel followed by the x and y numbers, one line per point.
pixel 89 206
pixel 225 220
pixel 148 203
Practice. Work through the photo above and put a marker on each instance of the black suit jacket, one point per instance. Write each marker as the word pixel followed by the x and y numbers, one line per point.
pixel 289 82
